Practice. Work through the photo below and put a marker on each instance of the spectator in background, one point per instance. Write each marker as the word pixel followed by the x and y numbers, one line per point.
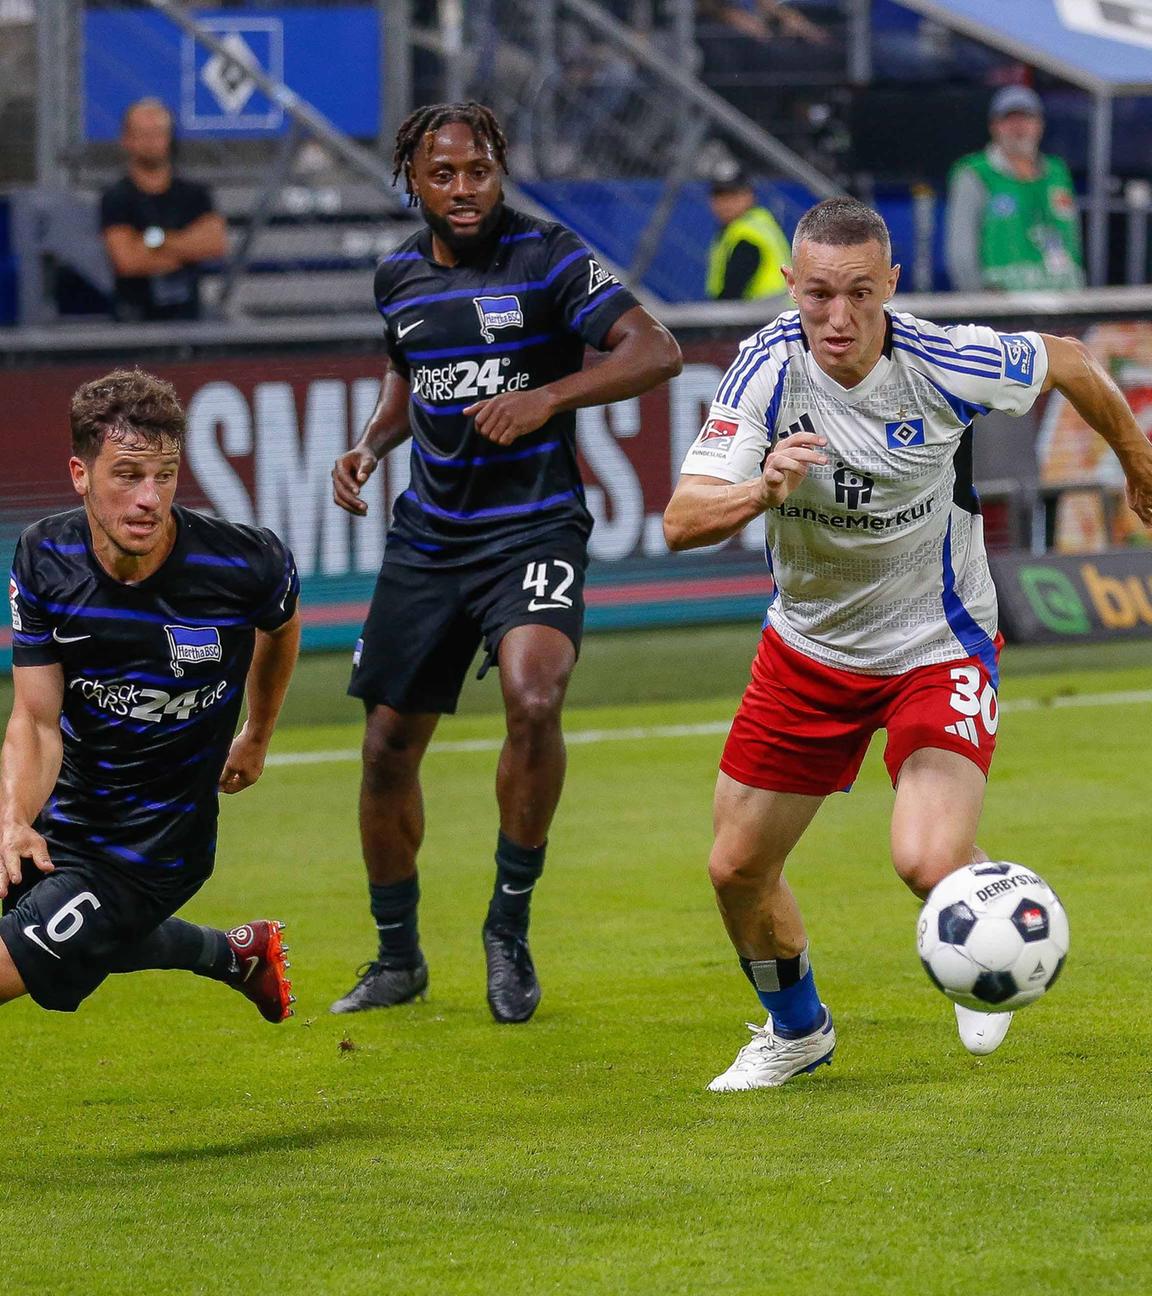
pixel 158 229
pixel 747 254
pixel 1012 219
pixel 761 19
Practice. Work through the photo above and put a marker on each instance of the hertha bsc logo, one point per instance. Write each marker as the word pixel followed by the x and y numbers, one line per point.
pixel 852 488
pixel 498 313
pixel 190 645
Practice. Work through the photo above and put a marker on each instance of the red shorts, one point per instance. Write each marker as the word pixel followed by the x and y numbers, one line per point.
pixel 805 727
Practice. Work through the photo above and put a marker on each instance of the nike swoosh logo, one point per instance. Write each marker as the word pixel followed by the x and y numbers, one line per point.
pixel 68 638
pixel 537 606
pixel 388 926
pixel 250 965
pixel 407 328
pixel 30 932
pixel 515 890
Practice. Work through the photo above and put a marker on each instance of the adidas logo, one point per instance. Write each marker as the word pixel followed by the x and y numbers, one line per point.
pixel 965 728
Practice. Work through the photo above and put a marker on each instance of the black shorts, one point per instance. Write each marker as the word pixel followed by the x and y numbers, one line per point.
pixel 61 928
pixel 425 623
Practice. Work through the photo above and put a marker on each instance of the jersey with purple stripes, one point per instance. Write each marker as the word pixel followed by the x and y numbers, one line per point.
pixel 153 679
pixel 878 556
pixel 517 317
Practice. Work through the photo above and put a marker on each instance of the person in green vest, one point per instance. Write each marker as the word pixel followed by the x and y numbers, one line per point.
pixel 1012 219
pixel 746 255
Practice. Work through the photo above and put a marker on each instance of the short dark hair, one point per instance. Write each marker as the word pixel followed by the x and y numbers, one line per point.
pixel 842 222
pixel 122 402
pixel 480 120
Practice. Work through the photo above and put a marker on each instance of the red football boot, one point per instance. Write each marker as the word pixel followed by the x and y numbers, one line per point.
pixel 262 975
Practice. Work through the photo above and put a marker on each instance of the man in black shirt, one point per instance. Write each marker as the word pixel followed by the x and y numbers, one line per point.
pixel 138 627
pixel 487 313
pixel 158 229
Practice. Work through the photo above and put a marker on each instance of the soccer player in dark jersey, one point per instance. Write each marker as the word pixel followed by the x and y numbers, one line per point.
pixel 138 627
pixel 487 313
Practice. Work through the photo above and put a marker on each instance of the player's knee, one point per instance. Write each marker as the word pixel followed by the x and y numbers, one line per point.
pixel 920 867
pixel 390 760
pixel 732 871
pixel 534 709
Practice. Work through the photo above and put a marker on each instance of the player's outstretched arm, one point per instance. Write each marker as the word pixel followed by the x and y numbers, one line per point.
pixel 708 510
pixel 1076 374
pixel 641 355
pixel 29 767
pixel 387 427
pixel 273 661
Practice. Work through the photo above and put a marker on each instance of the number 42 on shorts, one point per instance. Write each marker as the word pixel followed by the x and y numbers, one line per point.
pixel 536 578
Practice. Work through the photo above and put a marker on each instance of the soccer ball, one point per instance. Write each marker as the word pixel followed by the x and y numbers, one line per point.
pixel 993 936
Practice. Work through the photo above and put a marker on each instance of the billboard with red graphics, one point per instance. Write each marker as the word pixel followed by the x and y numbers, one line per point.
pixel 265 424
pixel 262 436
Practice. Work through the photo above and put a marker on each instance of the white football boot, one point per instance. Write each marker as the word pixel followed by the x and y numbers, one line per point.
pixel 981 1032
pixel 767 1060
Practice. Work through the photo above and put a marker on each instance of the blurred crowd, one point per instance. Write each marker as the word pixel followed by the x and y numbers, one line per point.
pixel 1009 208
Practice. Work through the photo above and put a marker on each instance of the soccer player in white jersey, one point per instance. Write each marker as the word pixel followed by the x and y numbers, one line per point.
pixel 849 427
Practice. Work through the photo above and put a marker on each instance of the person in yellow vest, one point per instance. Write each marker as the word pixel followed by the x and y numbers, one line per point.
pixel 747 254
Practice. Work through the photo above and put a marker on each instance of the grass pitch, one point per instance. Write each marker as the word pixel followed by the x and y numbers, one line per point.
pixel 167 1140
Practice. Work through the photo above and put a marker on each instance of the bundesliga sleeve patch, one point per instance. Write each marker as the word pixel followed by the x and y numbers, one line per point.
pixel 14 604
pixel 1019 358
pixel 717 433
pixel 716 438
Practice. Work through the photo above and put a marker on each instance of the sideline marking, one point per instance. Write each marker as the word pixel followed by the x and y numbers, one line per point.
pixel 640 733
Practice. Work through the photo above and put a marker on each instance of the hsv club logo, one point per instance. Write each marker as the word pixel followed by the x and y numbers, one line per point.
pixel 904 433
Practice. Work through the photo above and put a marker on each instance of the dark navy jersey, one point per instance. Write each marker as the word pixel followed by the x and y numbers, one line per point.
pixel 153 678
pixel 517 318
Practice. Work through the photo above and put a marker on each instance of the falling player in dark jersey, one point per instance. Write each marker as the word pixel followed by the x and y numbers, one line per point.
pixel 487 313
pixel 138 627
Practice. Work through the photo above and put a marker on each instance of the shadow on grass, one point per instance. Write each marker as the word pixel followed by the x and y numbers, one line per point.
pixel 298 1140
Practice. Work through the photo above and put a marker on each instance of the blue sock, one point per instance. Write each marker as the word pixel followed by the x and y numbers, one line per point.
pixel 787 989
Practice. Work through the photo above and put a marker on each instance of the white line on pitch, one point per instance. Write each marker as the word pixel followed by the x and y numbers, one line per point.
pixel 640 733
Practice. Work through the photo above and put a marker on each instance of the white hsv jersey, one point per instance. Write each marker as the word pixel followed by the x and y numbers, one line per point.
pixel 878 556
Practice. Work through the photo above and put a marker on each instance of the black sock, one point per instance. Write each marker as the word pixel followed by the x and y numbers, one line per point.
pixel 394 909
pixel 517 870
pixel 179 944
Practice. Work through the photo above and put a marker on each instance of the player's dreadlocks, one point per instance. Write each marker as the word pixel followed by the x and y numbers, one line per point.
pixel 429 119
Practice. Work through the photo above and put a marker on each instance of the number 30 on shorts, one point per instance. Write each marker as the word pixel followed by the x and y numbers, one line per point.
pixel 970 700
pixel 549 581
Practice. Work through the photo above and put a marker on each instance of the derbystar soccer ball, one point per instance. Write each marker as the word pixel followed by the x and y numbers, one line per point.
pixel 993 936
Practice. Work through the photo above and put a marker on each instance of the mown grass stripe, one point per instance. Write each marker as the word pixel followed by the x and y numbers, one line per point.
pixel 642 733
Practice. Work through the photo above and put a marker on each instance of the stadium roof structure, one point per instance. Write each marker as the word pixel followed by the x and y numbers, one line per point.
pixel 1102 46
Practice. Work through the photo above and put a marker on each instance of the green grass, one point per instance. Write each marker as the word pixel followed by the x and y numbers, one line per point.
pixel 166 1140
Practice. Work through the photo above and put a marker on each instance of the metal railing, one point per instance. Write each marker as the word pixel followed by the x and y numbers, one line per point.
pixel 585 97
